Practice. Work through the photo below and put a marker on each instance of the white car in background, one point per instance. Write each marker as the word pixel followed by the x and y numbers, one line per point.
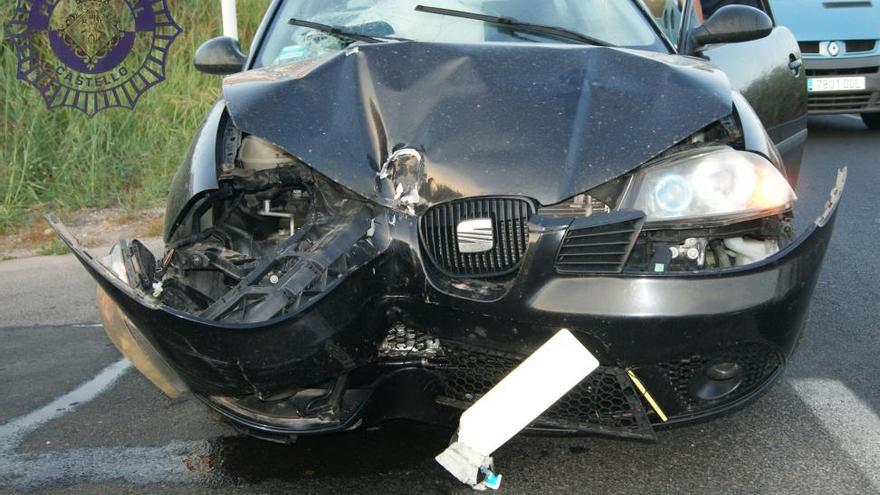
pixel 840 42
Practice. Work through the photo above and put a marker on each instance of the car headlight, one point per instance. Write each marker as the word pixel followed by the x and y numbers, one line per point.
pixel 718 184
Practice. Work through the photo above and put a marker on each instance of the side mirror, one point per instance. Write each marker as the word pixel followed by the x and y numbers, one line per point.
pixel 220 56
pixel 732 24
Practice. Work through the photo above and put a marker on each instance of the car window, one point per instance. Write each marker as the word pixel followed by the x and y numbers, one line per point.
pixel 712 6
pixel 618 22
pixel 668 14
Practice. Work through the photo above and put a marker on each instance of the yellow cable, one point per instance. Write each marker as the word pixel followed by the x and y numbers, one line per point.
pixel 647 395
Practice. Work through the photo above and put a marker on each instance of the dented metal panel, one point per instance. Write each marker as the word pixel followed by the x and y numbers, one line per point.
pixel 365 236
pixel 487 117
pixel 344 331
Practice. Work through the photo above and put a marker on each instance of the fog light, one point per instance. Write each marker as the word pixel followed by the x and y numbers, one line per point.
pixel 724 371
pixel 717 381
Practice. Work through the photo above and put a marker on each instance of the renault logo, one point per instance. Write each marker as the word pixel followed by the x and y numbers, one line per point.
pixel 833 49
pixel 475 236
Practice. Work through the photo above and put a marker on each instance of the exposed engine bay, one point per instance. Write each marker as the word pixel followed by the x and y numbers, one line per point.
pixel 274 237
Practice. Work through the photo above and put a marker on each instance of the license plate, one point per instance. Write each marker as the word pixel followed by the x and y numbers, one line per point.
pixel 830 84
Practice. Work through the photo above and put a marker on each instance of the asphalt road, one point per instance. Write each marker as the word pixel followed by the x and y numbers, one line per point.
pixel 76 419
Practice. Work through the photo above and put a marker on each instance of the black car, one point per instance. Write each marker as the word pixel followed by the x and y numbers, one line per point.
pixel 393 205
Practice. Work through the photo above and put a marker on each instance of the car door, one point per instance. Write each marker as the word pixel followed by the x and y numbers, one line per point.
pixel 768 72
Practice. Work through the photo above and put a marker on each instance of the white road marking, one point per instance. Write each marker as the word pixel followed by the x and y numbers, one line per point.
pixel 846 417
pixel 142 465
pixel 12 432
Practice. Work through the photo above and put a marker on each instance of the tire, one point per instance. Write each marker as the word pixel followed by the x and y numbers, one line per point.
pixel 872 120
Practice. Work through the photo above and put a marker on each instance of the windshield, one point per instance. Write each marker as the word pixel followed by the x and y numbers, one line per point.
pixel 616 22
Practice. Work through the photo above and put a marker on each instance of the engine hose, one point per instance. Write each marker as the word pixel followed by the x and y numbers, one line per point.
pixel 720 254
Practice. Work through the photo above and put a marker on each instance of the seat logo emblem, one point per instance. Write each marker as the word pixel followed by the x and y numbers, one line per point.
pixel 475 236
pixel 833 49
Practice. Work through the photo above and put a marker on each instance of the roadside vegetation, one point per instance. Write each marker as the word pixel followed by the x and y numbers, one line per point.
pixel 61 160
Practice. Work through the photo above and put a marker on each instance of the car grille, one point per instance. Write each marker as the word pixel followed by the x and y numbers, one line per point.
pixel 599 248
pixel 510 232
pixel 848 102
pixel 858 71
pixel 809 46
pixel 605 402
pixel 856 46
pixel 852 46
pixel 758 361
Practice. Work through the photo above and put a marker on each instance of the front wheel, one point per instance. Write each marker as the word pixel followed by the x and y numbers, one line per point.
pixel 872 120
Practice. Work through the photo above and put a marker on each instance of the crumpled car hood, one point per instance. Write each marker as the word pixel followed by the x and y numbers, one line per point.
pixel 536 120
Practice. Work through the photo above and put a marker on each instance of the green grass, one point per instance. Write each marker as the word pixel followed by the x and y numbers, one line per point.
pixel 56 248
pixel 61 160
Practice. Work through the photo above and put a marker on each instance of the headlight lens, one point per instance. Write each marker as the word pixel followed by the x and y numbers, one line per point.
pixel 722 184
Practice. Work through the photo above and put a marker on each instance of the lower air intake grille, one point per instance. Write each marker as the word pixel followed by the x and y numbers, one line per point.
pixel 856 46
pixel 852 46
pixel 809 46
pixel 848 102
pixel 758 362
pixel 605 402
pixel 858 71
pixel 509 217
pixel 599 244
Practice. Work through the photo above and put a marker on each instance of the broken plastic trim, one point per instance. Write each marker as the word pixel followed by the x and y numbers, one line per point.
pixel 132 343
pixel 816 247
pixel 404 172
pixel 311 267
pixel 834 200
pixel 124 334
pixel 272 239
pixel 319 265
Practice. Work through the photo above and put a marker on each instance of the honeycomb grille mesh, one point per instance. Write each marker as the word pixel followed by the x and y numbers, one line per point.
pixel 604 402
pixel 852 102
pixel 758 362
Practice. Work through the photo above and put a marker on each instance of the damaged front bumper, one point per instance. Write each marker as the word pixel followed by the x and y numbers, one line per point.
pixel 392 338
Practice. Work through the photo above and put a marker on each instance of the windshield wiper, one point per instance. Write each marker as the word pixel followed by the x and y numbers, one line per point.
pixel 515 25
pixel 336 31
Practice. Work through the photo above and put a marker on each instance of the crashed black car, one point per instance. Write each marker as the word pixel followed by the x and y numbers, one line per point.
pixel 393 205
